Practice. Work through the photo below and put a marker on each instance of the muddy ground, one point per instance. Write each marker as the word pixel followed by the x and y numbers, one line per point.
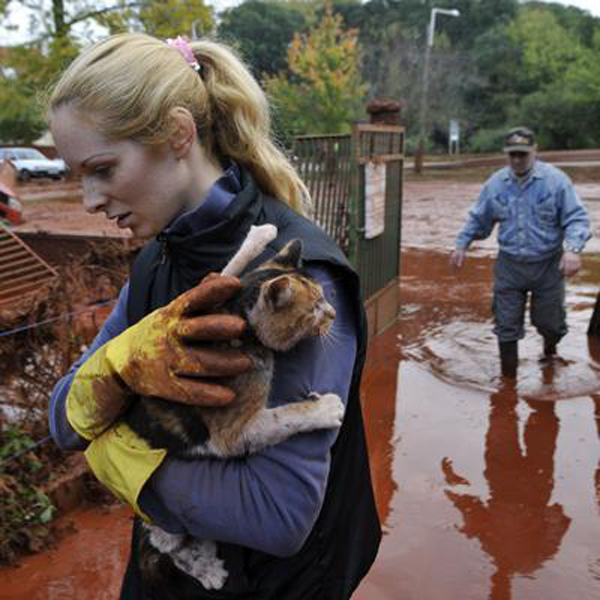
pixel 483 491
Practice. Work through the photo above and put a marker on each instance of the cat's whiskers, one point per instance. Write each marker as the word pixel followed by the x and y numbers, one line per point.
pixel 328 338
pixel 330 282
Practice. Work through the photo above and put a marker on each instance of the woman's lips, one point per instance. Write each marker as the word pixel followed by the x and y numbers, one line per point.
pixel 123 220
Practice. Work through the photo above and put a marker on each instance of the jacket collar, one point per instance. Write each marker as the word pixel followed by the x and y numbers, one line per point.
pixel 537 172
pixel 212 208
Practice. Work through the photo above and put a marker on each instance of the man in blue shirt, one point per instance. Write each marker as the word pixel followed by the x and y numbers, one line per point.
pixel 543 227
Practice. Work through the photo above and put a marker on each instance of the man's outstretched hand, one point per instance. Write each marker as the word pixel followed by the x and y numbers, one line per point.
pixel 570 263
pixel 457 257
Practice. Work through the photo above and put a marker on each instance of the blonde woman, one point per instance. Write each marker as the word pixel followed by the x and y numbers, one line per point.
pixel 172 141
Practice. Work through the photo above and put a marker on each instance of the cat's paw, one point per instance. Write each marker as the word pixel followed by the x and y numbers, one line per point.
pixel 215 576
pixel 163 541
pixel 329 410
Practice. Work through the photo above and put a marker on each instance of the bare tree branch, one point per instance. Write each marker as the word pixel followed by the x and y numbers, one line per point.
pixel 102 11
pixel 79 18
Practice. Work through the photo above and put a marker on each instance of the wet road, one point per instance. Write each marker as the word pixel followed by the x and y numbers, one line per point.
pixel 484 492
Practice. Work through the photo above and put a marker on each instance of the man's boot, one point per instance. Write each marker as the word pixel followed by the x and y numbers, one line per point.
pixel 509 359
pixel 550 346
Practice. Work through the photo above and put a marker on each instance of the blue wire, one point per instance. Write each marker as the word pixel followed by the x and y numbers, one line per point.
pixel 52 319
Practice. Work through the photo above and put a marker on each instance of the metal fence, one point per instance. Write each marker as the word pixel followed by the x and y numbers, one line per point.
pixel 334 169
pixel 326 165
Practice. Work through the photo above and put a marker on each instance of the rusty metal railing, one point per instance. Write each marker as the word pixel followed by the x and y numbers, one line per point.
pixel 326 165
pixel 22 272
pixel 333 168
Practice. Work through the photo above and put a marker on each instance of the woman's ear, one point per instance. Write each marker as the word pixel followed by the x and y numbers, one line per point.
pixel 183 135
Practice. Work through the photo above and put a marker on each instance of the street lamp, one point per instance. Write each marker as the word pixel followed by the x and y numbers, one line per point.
pixel 195 35
pixel 451 12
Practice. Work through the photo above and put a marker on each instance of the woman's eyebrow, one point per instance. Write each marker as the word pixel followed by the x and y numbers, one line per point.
pixel 93 156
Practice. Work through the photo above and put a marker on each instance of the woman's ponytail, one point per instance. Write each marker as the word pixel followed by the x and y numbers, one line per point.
pixel 240 124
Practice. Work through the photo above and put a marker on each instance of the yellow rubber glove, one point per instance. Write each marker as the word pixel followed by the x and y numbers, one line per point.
pixel 162 356
pixel 123 462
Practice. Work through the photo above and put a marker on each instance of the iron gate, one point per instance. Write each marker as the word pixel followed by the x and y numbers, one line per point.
pixel 334 169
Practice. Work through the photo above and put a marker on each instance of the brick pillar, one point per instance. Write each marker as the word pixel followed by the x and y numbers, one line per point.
pixel 384 111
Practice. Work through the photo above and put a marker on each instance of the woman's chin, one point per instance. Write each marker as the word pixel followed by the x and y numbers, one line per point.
pixel 142 231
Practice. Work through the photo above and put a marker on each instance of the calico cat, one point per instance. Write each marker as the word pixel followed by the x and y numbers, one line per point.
pixel 282 306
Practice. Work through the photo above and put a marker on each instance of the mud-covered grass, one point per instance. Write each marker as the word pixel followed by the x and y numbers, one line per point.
pixel 465 175
pixel 45 336
pixel 578 174
pixel 26 512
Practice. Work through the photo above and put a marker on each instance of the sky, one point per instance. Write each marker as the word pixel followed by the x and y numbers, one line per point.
pixel 20 34
pixel 592 6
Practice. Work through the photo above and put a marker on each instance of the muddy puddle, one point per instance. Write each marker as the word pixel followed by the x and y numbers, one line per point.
pixel 486 492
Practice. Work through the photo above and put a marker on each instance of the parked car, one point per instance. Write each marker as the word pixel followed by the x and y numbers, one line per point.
pixel 30 162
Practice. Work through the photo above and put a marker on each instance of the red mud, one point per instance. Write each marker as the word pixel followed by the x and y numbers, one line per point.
pixel 482 493
pixel 57 207
pixel 88 563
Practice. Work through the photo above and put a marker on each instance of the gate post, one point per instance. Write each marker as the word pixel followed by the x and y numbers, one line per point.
pixel 378 149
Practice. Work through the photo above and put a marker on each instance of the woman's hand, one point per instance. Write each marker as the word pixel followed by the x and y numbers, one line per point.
pixel 163 355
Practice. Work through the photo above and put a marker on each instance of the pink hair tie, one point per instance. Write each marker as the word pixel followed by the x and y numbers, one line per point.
pixel 183 47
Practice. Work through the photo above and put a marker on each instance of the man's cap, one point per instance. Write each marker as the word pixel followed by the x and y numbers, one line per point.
pixel 519 139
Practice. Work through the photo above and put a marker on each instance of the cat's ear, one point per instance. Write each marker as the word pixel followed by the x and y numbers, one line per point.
pixel 290 255
pixel 279 292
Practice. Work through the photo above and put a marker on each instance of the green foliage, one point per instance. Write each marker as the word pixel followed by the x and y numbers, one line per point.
pixel 489 67
pixel 547 47
pixel 20 116
pixel 170 18
pixel 487 140
pixel 25 74
pixel 27 71
pixel 262 31
pixel 326 92
pixel 24 509
pixel 580 24
pixel 559 78
pixel 563 117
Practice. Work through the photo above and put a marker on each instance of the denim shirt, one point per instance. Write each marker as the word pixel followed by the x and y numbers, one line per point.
pixel 535 216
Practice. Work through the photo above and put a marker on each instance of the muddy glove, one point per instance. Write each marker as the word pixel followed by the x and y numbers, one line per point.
pixel 162 356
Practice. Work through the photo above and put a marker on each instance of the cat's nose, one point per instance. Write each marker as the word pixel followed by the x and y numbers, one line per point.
pixel 329 311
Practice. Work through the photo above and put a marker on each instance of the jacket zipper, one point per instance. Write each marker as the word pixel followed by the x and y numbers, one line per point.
pixel 164 247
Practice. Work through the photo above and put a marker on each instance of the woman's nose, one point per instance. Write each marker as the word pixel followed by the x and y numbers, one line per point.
pixel 93 199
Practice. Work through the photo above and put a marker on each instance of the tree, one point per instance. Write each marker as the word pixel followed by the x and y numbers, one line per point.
pixel 170 18
pixel 325 92
pixel 25 74
pixel 262 31
pixel 565 110
pixel 547 47
pixel 27 70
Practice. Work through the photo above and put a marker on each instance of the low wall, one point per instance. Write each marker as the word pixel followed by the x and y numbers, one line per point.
pixel 61 249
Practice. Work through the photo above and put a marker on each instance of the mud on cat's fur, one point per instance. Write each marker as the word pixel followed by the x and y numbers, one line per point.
pixel 282 306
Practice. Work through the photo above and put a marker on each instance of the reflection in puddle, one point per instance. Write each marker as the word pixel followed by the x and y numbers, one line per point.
pixel 518 526
pixel 486 492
